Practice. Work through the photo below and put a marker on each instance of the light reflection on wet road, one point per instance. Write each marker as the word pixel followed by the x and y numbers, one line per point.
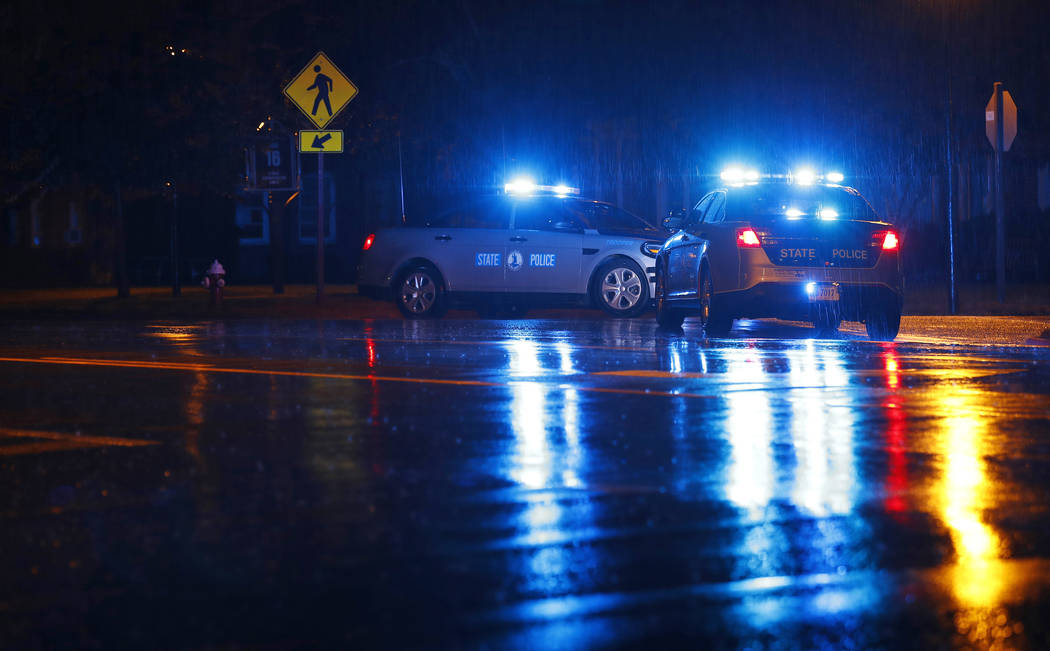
pixel 518 483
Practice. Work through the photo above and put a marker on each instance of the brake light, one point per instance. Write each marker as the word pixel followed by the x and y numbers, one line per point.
pixel 886 240
pixel 368 242
pixel 747 238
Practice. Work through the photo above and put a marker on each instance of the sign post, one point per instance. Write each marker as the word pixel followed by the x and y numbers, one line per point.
pixel 320 91
pixel 1000 125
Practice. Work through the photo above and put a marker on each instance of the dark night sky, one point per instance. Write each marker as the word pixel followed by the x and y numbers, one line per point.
pixel 581 89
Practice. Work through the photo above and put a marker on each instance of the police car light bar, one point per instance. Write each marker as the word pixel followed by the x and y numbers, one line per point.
pixel 526 186
pixel 804 176
pixel 737 175
pixel 520 186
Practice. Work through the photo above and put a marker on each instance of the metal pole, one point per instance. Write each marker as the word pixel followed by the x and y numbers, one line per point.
pixel 952 295
pixel 1000 204
pixel 320 228
pixel 176 287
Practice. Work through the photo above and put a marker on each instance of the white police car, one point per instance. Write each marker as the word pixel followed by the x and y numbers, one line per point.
pixel 795 246
pixel 532 244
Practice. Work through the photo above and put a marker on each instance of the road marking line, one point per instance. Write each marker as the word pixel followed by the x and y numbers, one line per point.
pixel 487 343
pixel 207 368
pixel 941 373
pixel 553 380
pixel 178 366
pixel 58 441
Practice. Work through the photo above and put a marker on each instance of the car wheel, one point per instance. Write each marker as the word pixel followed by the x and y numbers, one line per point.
pixel 420 293
pixel 883 321
pixel 620 288
pixel 666 316
pixel 716 322
pixel 826 319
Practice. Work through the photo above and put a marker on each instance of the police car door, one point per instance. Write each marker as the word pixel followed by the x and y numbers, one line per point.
pixel 682 259
pixel 544 248
pixel 721 244
pixel 468 245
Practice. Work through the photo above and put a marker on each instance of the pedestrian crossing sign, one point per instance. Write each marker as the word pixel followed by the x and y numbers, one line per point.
pixel 320 90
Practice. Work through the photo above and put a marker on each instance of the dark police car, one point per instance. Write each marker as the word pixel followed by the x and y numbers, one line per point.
pixel 797 247
pixel 533 244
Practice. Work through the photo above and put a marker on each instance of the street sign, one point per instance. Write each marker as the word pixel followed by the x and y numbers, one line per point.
pixel 320 90
pixel 270 162
pixel 327 142
pixel 991 124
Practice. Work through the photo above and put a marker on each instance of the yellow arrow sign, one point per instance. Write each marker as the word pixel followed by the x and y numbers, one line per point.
pixel 320 90
pixel 324 142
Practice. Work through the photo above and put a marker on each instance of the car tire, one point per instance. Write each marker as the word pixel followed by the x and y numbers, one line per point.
pixel 717 323
pixel 667 317
pixel 419 293
pixel 620 288
pixel 826 319
pixel 883 321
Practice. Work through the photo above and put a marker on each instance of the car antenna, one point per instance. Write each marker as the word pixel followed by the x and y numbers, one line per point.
pixel 401 173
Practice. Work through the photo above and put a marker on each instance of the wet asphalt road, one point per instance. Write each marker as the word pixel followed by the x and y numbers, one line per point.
pixel 544 483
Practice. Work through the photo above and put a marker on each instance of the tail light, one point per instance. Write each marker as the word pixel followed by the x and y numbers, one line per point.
pixel 886 240
pixel 747 238
pixel 368 242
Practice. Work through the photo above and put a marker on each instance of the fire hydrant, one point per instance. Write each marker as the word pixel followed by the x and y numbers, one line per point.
pixel 214 280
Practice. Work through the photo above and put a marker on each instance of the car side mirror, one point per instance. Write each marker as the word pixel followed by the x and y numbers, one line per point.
pixel 674 220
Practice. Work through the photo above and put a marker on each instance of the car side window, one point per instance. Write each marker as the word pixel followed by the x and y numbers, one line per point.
pixel 696 215
pixel 716 209
pixel 540 215
pixel 492 213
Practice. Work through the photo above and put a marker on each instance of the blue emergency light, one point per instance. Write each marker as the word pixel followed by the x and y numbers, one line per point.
pixel 526 187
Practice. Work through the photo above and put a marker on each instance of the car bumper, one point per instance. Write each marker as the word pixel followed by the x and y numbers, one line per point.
pixel 791 300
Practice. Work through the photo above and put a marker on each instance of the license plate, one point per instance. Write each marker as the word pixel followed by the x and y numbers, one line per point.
pixel 824 293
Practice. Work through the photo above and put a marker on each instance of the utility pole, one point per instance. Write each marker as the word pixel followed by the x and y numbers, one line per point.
pixel 176 286
pixel 952 295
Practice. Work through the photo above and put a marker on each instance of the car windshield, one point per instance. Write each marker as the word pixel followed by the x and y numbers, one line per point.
pixel 606 218
pixel 797 202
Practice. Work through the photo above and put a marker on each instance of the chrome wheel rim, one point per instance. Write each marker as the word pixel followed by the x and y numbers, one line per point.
pixel 418 292
pixel 621 288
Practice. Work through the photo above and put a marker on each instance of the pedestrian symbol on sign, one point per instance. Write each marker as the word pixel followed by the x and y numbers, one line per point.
pixel 319 83
pixel 323 84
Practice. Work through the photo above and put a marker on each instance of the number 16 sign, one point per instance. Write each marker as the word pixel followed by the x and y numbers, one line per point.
pixel 270 164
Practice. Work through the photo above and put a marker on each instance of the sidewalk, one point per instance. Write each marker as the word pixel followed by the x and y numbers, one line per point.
pixel 978 300
pixel 253 301
pixel 343 302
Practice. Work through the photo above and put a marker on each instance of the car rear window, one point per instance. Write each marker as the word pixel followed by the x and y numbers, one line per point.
pixel 803 202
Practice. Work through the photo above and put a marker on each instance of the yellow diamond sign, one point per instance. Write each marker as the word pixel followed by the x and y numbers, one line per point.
pixel 321 90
